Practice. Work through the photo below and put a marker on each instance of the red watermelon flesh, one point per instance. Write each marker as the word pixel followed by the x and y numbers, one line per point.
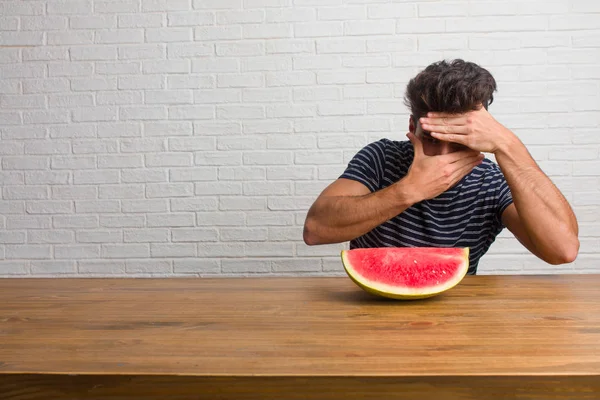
pixel 406 273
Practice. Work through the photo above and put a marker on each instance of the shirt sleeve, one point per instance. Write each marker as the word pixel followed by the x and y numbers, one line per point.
pixel 368 166
pixel 503 198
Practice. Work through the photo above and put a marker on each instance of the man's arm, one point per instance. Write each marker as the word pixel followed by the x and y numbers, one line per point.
pixel 541 218
pixel 346 209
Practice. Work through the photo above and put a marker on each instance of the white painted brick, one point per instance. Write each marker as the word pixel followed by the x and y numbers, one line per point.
pixel 53 267
pixel 242 266
pixel 121 129
pixel 25 163
pixel 96 83
pixel 121 191
pixel 344 141
pixel 316 94
pixel 112 6
pixel 263 3
pixel 359 28
pixel 367 91
pixel 89 22
pixel 243 234
pixel 22 101
pixel 445 9
pixel 294 142
pixel 148 266
pixel 163 190
pixel 573 56
pixel 194 235
pixel 323 251
pixel 169 160
pixel 11 207
pixel 165 5
pixel 21 38
pixel 21 71
pixel 291 111
pixel 93 53
pixel 195 266
pixel 241 143
pixel 14 268
pixel 125 250
pixel 192 144
pixel 267 158
pixel 241 17
pixel 46 178
pixel 100 236
pixel 185 50
pixel 241 49
pixel 68 7
pixel 168 35
pixel 122 221
pixel 49 207
pixel 120 161
pixel 297 265
pixel 319 125
pixel 342 108
pixel 10 118
pixel 101 267
pixel 369 61
pixel 190 82
pixel 145 235
pixel 242 173
pixel 267 188
pixel 70 100
pixel 281 203
pixel 19 8
pixel 27 222
pixel 173 250
pixel 217 96
pixel 269 249
pixel 46 117
pixel 267 63
pixel 194 204
pixel 167 129
pixel 9 56
pixel 220 219
pixel 211 33
pixel 318 29
pixel 341 46
pixel 50 237
pixel 69 192
pixel 244 203
pixel 13 237
pixel 142 113
pixel 239 80
pixel 290 46
pixel 267 126
pixel 145 206
pixel 28 252
pixel 25 192
pixel 11 178
pixel 48 85
pixel 142 52
pixel 77 252
pixel 9 23
pixel 123 36
pixel 191 18
pixel 573 22
pixel 45 54
pixel 47 147
pixel 97 206
pixel 443 42
pixel 72 38
pixel 141 82
pixel 95 177
pixel 118 97
pixel 140 20
pixel 290 173
pixel 191 112
pixel 240 112
pixel 497 24
pixel 95 114
pixel 217 158
pixel 220 249
pixel 218 188
pixel 285 234
pixel 12 148
pixel 340 77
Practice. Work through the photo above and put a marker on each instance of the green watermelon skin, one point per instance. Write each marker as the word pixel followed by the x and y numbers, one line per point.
pixel 406 273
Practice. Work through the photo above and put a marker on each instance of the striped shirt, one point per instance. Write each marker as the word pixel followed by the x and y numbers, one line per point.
pixel 466 215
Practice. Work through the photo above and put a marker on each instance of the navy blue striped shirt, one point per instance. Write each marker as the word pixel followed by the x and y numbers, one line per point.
pixel 466 215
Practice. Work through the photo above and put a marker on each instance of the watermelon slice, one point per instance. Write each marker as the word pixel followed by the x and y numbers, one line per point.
pixel 406 272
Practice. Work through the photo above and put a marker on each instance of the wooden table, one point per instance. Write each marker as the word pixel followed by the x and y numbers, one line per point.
pixel 491 337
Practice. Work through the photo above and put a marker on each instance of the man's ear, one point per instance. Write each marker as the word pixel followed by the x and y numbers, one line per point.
pixel 412 127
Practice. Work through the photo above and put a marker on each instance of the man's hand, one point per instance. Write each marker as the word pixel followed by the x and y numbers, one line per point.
pixel 430 176
pixel 477 130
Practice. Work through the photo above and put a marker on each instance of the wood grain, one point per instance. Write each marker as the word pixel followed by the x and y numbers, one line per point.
pixel 530 337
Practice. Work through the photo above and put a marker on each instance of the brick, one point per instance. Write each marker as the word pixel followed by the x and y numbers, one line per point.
pixel 95 177
pixel 142 52
pixel 267 188
pixel 28 222
pixel 121 191
pixel 319 29
pixel 194 204
pixel 173 250
pixel 242 203
pixel 220 219
pixel 297 265
pixel 290 173
pixel 93 53
pixel 194 235
pixel 168 35
pixel 71 100
pixel 218 188
pixel 142 113
pixel 22 101
pixel 100 236
pixel 28 252
pixel 144 175
pixel 20 8
pixel 140 20
pixel 168 129
pixel 319 93
pixel 119 97
pixel 93 84
pixel 220 249
pixel 191 112
pixel 292 111
pixel 21 71
pixel 148 266
pixel 193 174
pixel 190 82
pixel 171 220
pixel 11 268
pixel 240 49
pixel 101 267
pixel 121 161
pixel 341 46
pixel 218 96
pixel 195 266
pixel 110 129
pixel 241 173
pixel 95 114
pixel 90 22
pixel 245 266
pixel 53 267
pixel 317 62
pixel 240 112
pixel 360 28
pixel 48 85
pixel 165 5
pixel 243 234
pixel 125 250
pixel 112 6
pixel 341 13
pixel 213 33
pixel 266 63
pixel 240 17
pixel 145 206
pixel 141 82
pixel 218 158
pixel 142 145
pixel 169 160
pixel 146 235
pixel 164 190
pixel 241 143
pixel 21 38
pixel 186 50
pixel 269 249
pixel 288 46
pixel 191 18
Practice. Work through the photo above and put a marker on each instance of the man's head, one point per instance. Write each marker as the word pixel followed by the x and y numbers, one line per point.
pixel 457 86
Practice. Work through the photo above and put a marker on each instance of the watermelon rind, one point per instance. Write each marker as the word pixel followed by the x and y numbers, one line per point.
pixel 403 292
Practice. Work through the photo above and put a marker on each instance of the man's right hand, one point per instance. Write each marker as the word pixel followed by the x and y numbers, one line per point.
pixel 430 176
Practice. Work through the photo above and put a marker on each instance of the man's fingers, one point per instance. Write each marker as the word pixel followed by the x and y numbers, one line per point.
pixel 451 137
pixel 464 170
pixel 446 129
pixel 459 155
pixel 443 119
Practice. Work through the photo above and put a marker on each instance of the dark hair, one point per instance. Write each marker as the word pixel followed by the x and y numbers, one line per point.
pixel 455 87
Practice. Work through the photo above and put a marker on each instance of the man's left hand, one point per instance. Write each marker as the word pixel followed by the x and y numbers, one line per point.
pixel 476 129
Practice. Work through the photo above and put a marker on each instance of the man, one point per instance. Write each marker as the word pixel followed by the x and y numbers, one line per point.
pixel 437 189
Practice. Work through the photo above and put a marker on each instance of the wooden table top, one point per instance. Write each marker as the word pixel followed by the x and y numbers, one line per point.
pixel 321 326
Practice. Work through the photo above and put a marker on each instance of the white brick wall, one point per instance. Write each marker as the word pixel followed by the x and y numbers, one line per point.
pixel 180 137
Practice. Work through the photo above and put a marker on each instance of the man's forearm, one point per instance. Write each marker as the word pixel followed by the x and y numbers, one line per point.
pixel 544 212
pixel 335 219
